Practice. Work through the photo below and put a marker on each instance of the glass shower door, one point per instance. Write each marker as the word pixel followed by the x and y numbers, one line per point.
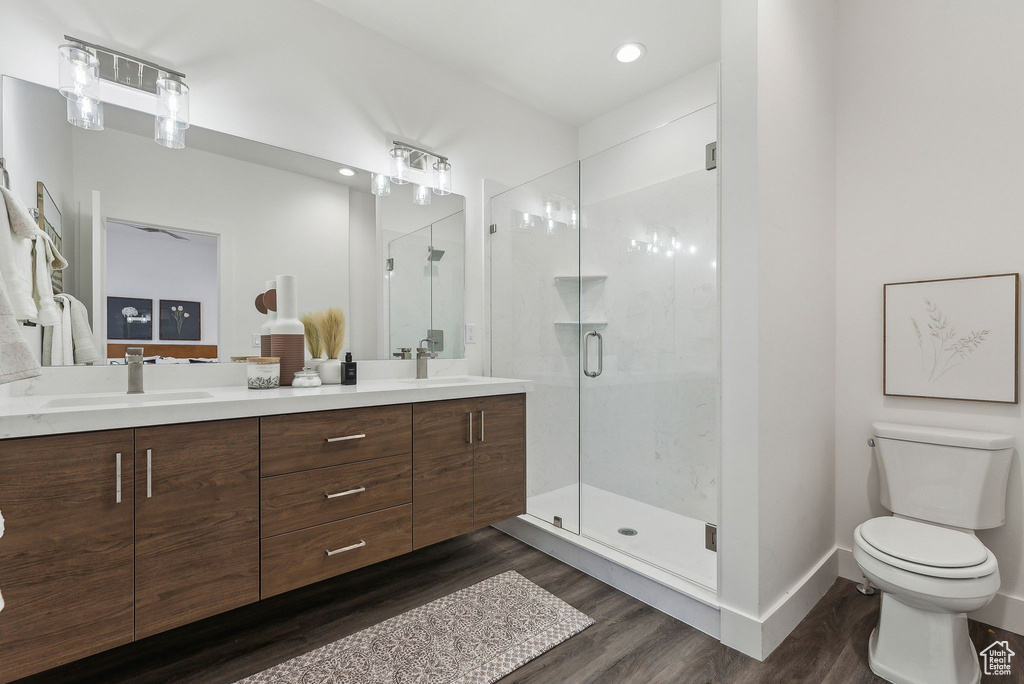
pixel 649 305
pixel 535 331
pixel 409 288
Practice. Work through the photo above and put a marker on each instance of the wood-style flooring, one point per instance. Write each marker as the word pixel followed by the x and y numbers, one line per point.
pixel 630 642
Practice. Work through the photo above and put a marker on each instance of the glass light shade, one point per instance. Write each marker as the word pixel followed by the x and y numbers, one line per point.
pixel 79 73
pixel 86 113
pixel 380 185
pixel 172 101
pixel 574 216
pixel 421 195
pixel 442 178
pixel 169 133
pixel 400 165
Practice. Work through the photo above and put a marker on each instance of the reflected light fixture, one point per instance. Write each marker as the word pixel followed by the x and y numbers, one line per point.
pixel 421 195
pixel 400 164
pixel 380 184
pixel 84 65
pixel 442 177
pixel 630 52
pixel 345 171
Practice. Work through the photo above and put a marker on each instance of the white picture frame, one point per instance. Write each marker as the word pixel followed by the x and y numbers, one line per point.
pixel 952 338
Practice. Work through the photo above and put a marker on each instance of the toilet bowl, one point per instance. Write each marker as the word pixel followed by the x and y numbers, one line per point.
pixel 930 567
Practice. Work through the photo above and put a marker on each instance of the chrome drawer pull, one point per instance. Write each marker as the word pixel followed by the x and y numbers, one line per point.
pixel 149 473
pixel 470 414
pixel 346 493
pixel 344 439
pixel 347 548
pixel 118 477
pixel 481 426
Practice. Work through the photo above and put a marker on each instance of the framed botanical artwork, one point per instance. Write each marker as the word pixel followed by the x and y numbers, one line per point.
pixel 955 338
pixel 180 320
pixel 129 318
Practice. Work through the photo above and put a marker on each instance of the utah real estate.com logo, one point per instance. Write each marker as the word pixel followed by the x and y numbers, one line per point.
pixel 996 658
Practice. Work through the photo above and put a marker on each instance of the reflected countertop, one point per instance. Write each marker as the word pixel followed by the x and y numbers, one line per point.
pixel 34 415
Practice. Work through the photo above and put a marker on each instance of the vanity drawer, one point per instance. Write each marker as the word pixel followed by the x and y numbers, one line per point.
pixel 303 441
pixel 296 559
pixel 313 497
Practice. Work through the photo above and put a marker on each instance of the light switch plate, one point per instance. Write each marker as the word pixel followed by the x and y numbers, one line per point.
pixel 255 341
pixel 471 333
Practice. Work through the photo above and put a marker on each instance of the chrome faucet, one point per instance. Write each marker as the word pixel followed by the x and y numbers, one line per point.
pixel 404 353
pixel 422 354
pixel 133 357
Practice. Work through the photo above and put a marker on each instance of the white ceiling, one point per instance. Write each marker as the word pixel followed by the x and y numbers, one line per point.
pixel 555 55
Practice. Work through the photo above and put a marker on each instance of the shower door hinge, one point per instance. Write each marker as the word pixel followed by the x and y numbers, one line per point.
pixel 711 537
pixel 389 265
pixel 494 228
pixel 558 521
pixel 711 156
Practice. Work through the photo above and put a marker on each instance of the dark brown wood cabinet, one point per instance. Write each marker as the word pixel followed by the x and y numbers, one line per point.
pixel 197 538
pixel 469 465
pixel 499 460
pixel 442 479
pixel 66 556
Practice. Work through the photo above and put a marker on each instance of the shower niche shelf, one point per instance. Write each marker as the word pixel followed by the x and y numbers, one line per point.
pixel 586 279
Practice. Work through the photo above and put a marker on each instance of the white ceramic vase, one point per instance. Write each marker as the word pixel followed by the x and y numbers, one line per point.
pixel 330 372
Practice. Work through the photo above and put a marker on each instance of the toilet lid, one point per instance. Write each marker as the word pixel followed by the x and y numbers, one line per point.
pixel 924 544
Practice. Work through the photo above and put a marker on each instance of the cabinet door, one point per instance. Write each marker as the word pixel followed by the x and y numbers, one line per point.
pixel 197 534
pixel 499 472
pixel 442 487
pixel 66 555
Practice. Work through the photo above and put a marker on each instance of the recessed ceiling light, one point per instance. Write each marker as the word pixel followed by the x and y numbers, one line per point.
pixel 345 171
pixel 630 52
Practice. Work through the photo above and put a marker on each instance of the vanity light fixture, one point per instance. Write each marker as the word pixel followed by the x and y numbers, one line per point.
pixel 630 52
pixel 421 195
pixel 345 171
pixel 406 158
pixel 380 184
pixel 83 65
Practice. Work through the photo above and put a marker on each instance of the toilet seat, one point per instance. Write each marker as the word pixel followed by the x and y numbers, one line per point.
pixel 925 549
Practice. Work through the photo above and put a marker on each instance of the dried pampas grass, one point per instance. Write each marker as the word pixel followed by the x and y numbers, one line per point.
pixel 314 338
pixel 332 332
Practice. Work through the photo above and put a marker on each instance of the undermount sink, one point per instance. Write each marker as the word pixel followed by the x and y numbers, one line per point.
pixel 135 399
pixel 439 381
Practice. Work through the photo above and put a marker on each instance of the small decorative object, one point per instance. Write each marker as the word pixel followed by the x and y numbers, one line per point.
pixel 287 334
pixel 180 320
pixel 314 343
pixel 264 372
pixel 307 377
pixel 129 318
pixel 954 338
pixel 332 335
pixel 348 370
pixel 266 303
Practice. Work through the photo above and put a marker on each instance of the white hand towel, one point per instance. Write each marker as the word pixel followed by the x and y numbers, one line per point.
pixel 16 234
pixel 16 360
pixel 63 346
pixel 81 333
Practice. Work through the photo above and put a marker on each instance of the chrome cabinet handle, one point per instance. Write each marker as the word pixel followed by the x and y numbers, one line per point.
pixel 586 354
pixel 118 477
pixel 481 426
pixel 149 473
pixel 346 493
pixel 346 548
pixel 344 439
pixel 470 414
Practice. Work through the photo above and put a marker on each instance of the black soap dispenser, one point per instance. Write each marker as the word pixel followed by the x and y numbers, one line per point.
pixel 348 370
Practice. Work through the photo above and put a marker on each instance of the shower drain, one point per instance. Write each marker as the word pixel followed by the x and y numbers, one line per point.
pixel 627 531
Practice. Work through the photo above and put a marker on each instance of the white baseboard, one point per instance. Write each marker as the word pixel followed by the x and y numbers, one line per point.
pixel 758 637
pixel 696 606
pixel 1005 612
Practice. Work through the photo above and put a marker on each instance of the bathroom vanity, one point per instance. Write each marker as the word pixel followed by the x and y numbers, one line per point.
pixel 118 533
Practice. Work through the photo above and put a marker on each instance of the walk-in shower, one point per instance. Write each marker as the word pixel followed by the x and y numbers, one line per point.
pixel 603 284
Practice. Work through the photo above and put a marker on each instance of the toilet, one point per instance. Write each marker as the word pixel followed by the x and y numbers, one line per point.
pixel 941 485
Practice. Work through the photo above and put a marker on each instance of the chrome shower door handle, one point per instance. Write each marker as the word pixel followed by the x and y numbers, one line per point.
pixel 586 354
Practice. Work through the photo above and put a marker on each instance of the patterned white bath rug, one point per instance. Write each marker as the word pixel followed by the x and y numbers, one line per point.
pixel 476 635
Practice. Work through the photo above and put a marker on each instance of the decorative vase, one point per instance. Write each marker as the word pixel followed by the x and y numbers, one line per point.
pixel 287 334
pixel 313 363
pixel 330 372
pixel 262 305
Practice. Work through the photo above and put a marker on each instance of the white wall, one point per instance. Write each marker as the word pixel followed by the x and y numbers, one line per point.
pixel 315 82
pixel 778 320
pixel 364 275
pixel 930 147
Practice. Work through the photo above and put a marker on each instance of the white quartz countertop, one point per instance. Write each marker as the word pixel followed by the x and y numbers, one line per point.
pixel 34 415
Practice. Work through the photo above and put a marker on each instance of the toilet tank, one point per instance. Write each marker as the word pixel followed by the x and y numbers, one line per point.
pixel 950 477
